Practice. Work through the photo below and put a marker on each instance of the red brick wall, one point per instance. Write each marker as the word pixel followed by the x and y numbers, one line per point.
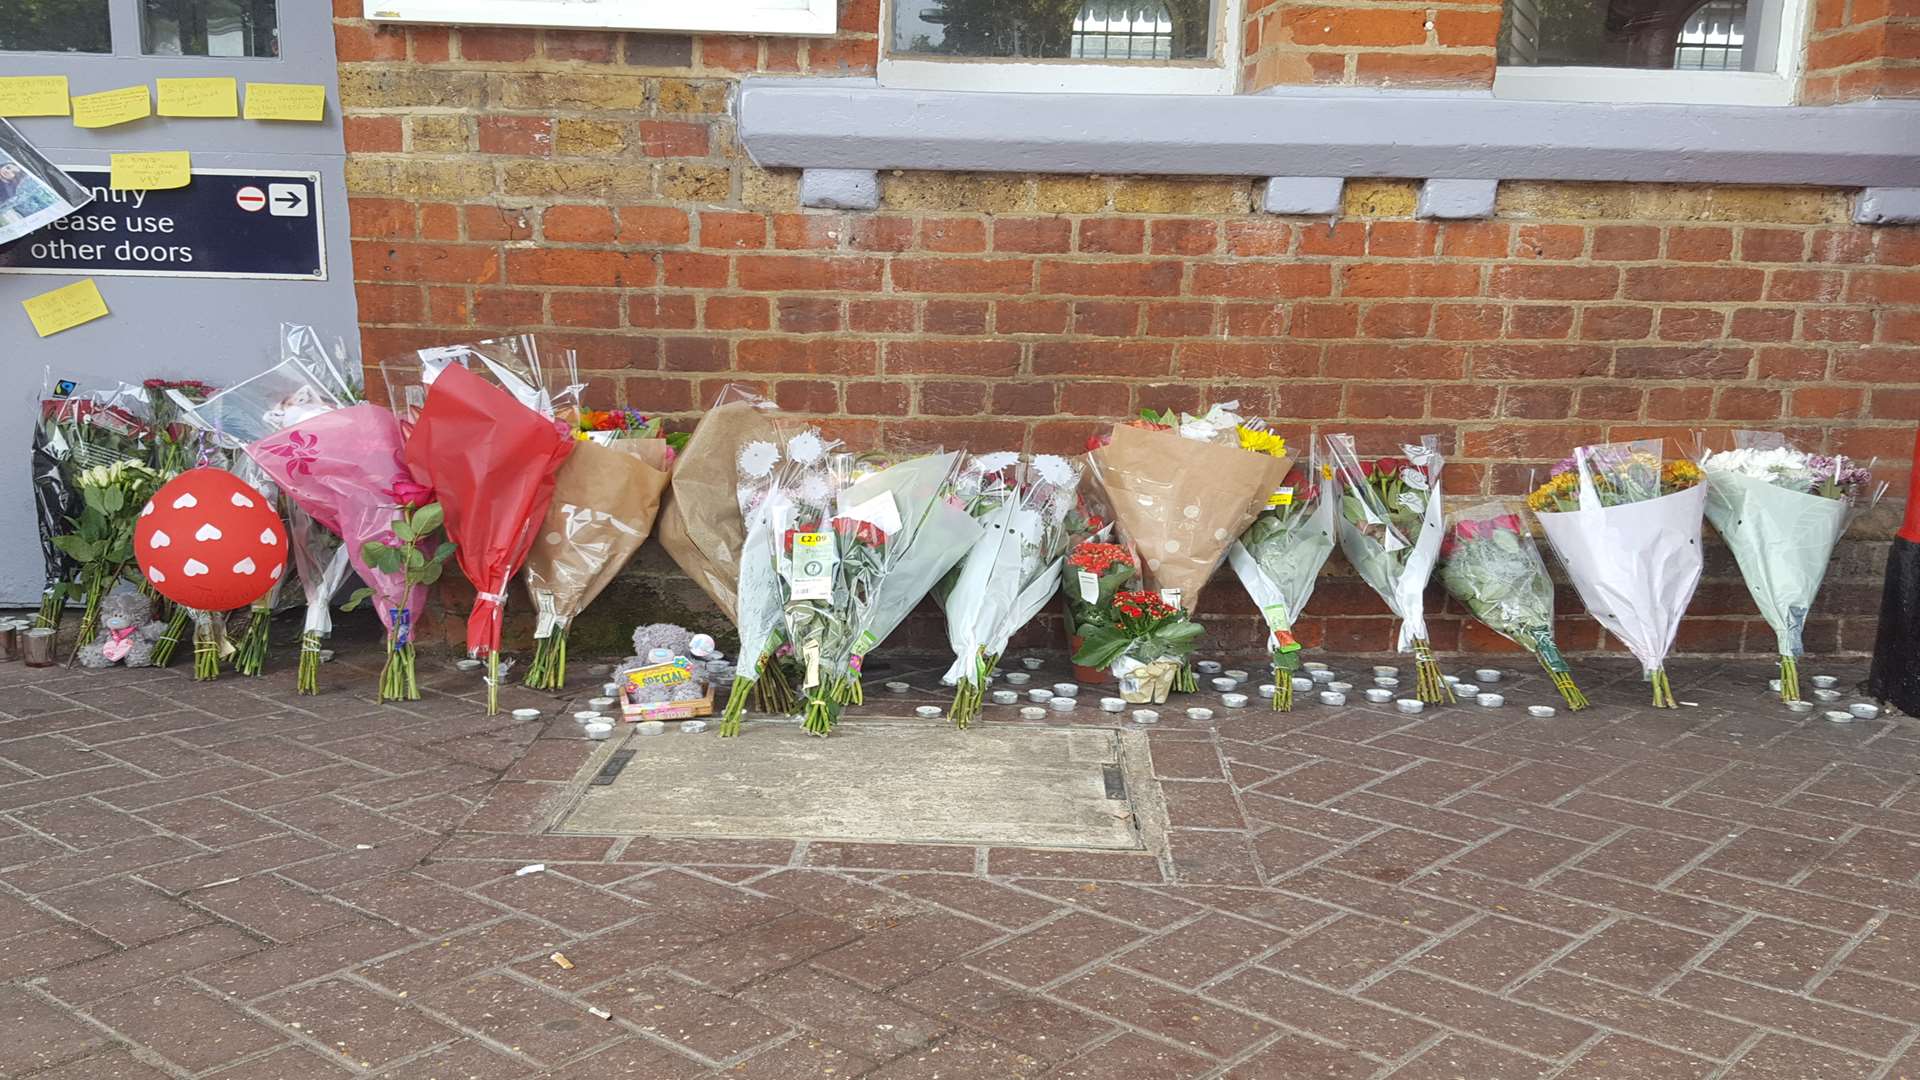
pixel 590 186
pixel 1863 49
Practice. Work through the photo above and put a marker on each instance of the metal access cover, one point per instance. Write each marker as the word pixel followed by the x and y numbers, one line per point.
pixel 885 782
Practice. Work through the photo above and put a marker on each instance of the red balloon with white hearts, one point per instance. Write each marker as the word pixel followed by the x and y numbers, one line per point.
pixel 209 541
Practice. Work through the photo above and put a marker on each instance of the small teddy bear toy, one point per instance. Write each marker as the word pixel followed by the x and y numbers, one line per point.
pixel 128 631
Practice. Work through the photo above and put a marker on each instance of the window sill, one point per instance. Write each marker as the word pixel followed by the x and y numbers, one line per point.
pixel 1638 87
pixel 857 124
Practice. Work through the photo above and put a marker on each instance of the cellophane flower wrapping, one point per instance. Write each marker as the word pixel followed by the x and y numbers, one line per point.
pixel 1022 503
pixel 1392 519
pixel 1626 525
pixel 1781 511
pixel 55 499
pixel 1278 561
pixel 1490 563
pixel 783 487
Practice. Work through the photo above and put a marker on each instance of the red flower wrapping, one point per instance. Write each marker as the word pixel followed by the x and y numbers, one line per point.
pixel 491 460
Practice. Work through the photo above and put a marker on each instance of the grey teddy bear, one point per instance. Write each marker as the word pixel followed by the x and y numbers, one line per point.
pixel 128 631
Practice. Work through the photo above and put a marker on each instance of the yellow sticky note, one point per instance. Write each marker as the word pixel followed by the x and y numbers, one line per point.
pixel 64 309
pixel 152 171
pixel 33 95
pixel 110 107
pixel 286 101
pixel 199 97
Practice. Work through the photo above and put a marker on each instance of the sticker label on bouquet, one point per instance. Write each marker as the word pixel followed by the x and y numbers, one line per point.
pixel 863 645
pixel 1281 497
pixel 815 555
pixel 671 673
pixel 1276 615
pixel 1089 586
pixel 1170 597
pixel 1550 655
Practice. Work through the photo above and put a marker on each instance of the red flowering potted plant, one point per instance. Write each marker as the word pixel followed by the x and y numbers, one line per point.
pixel 1145 642
pixel 1094 573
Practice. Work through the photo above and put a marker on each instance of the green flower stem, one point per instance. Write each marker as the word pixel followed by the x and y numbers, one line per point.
pixel 549 668
pixel 1789 678
pixel 251 657
pixel 308 679
pixel 1428 685
pixel 52 601
pixel 1663 690
pixel 1282 690
pixel 169 641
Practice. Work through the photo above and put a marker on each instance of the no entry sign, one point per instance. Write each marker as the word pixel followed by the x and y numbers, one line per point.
pixel 223 224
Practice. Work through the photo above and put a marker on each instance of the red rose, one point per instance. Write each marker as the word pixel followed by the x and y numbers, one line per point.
pixel 410 494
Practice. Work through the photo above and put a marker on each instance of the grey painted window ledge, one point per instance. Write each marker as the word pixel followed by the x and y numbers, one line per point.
pixel 1307 138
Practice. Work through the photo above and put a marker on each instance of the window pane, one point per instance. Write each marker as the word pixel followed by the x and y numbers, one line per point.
pixel 1685 34
pixel 1100 30
pixel 54 26
pixel 209 28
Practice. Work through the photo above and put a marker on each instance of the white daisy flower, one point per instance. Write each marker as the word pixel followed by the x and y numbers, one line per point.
pixel 758 458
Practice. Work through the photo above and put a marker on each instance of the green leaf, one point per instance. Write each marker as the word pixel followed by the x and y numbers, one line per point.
pixel 427 519
pixel 112 500
pixel 441 553
pixel 430 574
pixel 360 596
pixel 404 530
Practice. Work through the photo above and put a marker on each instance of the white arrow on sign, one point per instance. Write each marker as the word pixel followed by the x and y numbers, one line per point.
pixel 287 200
pixel 251 199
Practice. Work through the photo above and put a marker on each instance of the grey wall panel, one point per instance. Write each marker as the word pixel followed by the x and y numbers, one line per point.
pixel 209 328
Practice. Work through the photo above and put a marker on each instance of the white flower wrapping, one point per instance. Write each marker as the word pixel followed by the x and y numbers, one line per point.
pixel 1013 570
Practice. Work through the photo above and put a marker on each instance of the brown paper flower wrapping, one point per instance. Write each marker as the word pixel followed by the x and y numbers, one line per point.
pixel 1181 503
pixel 700 525
pixel 605 499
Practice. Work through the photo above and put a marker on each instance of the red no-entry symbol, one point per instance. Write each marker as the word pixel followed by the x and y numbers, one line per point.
pixel 251 199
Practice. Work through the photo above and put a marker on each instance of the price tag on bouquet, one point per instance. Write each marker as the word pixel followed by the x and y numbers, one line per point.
pixel 1170 597
pixel 815 555
pixel 1281 497
pixel 1089 586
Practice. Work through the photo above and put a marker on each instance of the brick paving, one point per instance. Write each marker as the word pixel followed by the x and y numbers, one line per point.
pixel 229 881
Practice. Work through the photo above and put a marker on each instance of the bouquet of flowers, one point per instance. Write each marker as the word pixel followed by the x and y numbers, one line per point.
pixel 1145 641
pixel 1182 489
pixel 491 460
pixel 1626 525
pixel 1390 529
pixel 894 535
pixel 55 498
pixel 100 537
pixel 305 383
pixel 1010 574
pixel 1781 511
pixel 784 489
pixel 1490 563
pixel 344 465
pixel 1278 559
pixel 605 498
pixel 703 522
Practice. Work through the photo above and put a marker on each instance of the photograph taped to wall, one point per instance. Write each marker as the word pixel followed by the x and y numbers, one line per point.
pixel 33 193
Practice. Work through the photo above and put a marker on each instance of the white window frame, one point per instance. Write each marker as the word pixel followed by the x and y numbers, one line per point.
pixel 797 18
pixel 1655 86
pixel 1219 74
